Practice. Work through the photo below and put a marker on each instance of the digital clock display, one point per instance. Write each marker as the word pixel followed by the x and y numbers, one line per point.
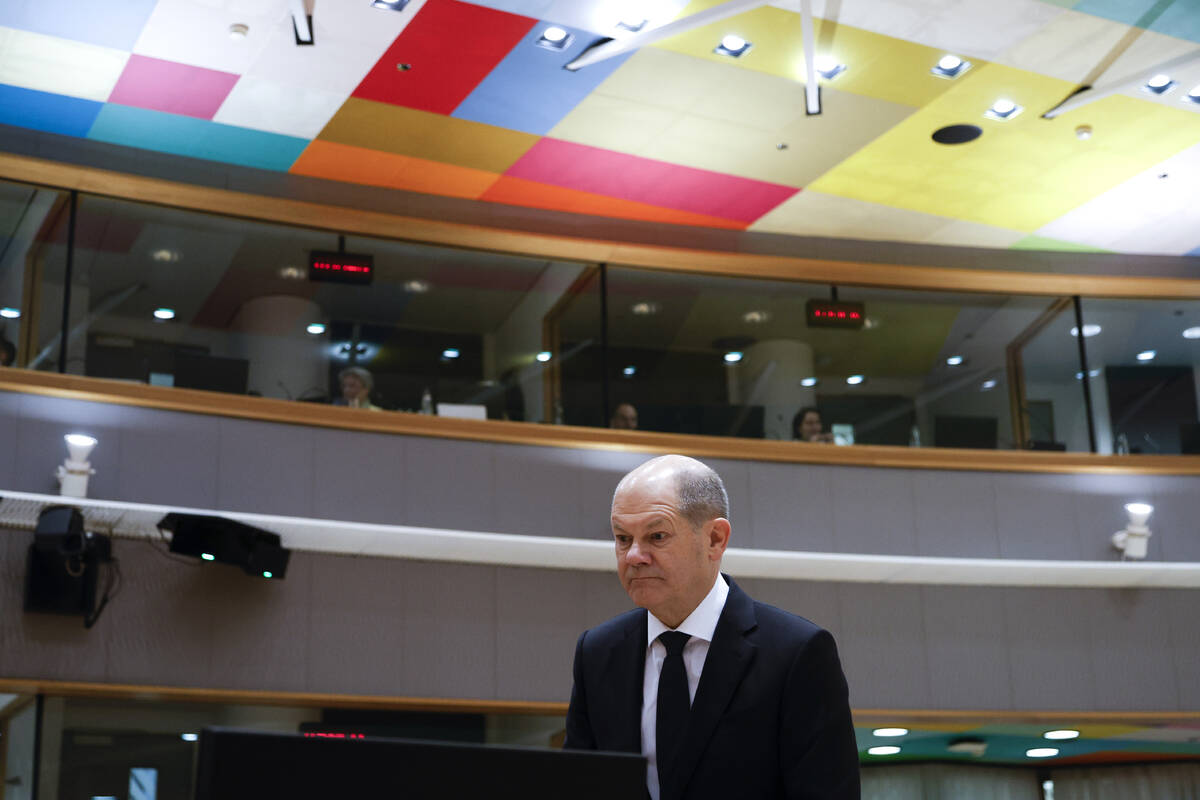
pixel 340 267
pixel 831 314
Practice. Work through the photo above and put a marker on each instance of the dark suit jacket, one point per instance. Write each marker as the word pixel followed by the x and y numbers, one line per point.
pixel 770 718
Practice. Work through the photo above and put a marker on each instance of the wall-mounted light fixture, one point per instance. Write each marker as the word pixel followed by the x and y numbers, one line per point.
pixel 74 472
pixel 1133 540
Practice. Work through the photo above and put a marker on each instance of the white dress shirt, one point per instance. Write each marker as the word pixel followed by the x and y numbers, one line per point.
pixel 700 625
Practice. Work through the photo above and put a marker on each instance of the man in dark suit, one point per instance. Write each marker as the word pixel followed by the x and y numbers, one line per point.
pixel 726 697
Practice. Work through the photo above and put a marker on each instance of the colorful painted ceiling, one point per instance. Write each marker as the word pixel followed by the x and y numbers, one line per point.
pixel 464 99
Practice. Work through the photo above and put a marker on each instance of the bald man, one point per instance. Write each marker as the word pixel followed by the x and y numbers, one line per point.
pixel 726 697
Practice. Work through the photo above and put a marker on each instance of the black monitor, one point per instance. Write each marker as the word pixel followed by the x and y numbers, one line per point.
pixel 245 765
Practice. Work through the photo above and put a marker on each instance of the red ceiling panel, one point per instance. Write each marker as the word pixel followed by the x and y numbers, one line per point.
pixel 451 47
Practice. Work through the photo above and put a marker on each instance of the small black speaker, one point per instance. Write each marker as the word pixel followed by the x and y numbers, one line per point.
pixel 227 541
pixel 63 563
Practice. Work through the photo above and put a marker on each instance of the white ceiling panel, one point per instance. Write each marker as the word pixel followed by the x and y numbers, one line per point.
pixel 1147 214
pixel 599 16
pixel 61 66
pixel 268 106
pixel 349 35
pixel 197 33
pixel 1070 47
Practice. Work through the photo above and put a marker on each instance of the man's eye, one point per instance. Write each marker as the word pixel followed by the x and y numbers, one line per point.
pixel 658 537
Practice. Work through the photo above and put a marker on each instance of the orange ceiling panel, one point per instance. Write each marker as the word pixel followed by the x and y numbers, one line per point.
pixel 343 162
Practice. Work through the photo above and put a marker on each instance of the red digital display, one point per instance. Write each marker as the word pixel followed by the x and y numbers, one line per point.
pixel 830 314
pixel 340 267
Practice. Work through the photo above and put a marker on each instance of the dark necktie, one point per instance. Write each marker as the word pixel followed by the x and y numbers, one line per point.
pixel 673 703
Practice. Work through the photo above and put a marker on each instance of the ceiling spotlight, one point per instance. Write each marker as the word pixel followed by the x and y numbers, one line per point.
pixel 1003 109
pixel 1191 333
pixel 450 353
pixel 733 357
pixel 1061 735
pixel 316 328
pixel 644 308
pixel 828 67
pixel 987 385
pixel 890 732
pixel 1092 373
pixel 734 46
pixel 756 317
pixel 1159 84
pixel 1083 132
pixel 1193 95
pixel 268 574
pixel 855 380
pixel 629 371
pixel 390 5
pixel 238 31
pixel 1147 355
pixel 950 66
pixel 163 255
pixel 164 313
pixel 10 313
pixel 208 557
pixel 1041 752
pixel 1132 540
pixel 1088 331
pixel 416 286
pixel 554 38
pixel 291 273
pixel 544 356
pixel 189 737
pixel 808 382
pixel 954 361
pixel 883 750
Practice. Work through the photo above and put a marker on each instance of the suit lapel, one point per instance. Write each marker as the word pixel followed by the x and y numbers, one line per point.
pixel 623 675
pixel 729 656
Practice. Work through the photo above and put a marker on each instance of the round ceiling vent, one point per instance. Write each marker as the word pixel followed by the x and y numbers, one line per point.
pixel 957 134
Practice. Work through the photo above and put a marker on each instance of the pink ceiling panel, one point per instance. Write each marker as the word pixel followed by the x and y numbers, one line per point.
pixel 171 87
pixel 592 169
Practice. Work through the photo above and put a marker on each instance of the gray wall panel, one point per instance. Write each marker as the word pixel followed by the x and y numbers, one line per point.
pixel 602 470
pixel 536 633
pixel 1050 647
pixel 168 458
pixel 873 511
pixel 524 477
pixel 265 468
pixel 955 515
pixel 967 649
pixel 1176 518
pixel 449 484
pixel 1185 645
pixel 817 602
pixel 882 644
pixel 792 507
pixel 9 415
pixel 1130 632
pixel 358 476
pixel 736 476
pixel 1035 516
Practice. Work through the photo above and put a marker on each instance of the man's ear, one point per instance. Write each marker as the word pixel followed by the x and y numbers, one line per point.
pixel 718 538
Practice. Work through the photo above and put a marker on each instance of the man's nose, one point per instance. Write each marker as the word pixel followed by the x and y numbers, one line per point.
pixel 636 555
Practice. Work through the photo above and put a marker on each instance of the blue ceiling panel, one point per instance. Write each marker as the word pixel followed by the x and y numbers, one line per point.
pixel 1180 18
pixel 197 138
pixel 529 90
pixel 1195 252
pixel 116 25
pixel 48 112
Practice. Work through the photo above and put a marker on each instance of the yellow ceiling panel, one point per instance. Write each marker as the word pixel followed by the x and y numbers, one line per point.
pixel 434 137
pixel 1070 47
pixel 1021 173
pixel 62 66
pixel 877 66
pixel 614 123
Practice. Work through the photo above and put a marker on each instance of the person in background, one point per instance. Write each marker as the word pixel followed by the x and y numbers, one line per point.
pixel 8 353
pixel 624 417
pixel 356 384
pixel 807 426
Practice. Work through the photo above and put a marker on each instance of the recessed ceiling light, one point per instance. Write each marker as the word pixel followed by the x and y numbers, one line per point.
pixel 1041 752
pixel 809 382
pixel 1092 373
pixel 756 317
pixel 733 356
pixel 890 732
pixel 554 38
pixel 1061 734
pixel 950 66
pixel 10 313
pixel 1083 132
pixel 1191 333
pixel 828 67
pixel 1193 95
pixel 644 308
pixel 1147 355
pixel 416 286
pixel 1003 109
pixel 316 328
pixel 451 352
pixel 165 256
pixel 238 31
pixel 291 273
pixel 954 361
pixel 987 385
pixel 268 574
pixel 390 5
pixel 189 737
pixel 883 750
pixel 855 380
pixel 544 356
pixel 1159 84
pixel 1088 331
pixel 208 557
pixel 629 371
pixel 732 45
pixel 632 24
pixel 164 313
